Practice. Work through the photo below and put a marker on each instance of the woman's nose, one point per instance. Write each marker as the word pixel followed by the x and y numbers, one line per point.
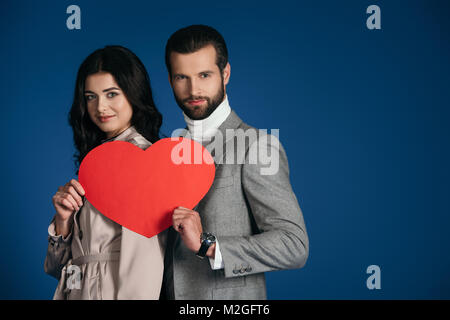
pixel 101 105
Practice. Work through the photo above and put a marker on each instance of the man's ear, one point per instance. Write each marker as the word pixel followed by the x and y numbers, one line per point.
pixel 226 73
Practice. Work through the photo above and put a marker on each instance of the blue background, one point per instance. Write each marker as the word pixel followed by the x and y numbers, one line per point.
pixel 363 115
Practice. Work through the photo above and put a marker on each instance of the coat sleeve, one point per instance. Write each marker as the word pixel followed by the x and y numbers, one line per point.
pixel 282 241
pixel 58 251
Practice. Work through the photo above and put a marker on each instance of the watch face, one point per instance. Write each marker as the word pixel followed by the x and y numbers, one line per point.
pixel 208 237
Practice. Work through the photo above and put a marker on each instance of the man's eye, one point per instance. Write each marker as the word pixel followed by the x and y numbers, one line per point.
pixel 179 77
pixel 204 75
pixel 111 94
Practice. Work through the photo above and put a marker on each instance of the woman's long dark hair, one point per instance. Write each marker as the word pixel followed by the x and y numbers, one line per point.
pixel 132 78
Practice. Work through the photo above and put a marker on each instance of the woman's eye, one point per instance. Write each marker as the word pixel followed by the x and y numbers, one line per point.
pixel 90 97
pixel 111 94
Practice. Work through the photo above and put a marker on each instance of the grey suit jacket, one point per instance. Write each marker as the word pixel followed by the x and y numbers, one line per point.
pixel 256 219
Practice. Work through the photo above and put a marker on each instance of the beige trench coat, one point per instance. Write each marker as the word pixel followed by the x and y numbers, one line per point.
pixel 100 259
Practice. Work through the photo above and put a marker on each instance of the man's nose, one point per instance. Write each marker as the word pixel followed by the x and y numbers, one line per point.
pixel 194 87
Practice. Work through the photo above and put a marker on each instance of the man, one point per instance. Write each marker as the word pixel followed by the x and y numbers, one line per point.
pixel 249 222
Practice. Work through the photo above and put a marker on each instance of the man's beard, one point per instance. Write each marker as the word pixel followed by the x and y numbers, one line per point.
pixel 195 112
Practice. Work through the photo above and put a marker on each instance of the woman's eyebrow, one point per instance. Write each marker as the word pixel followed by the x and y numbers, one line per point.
pixel 106 90
pixel 109 89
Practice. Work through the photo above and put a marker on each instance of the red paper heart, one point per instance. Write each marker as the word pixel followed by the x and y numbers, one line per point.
pixel 140 189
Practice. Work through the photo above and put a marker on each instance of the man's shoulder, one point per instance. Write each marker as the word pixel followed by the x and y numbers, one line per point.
pixel 256 135
pixel 243 127
pixel 252 145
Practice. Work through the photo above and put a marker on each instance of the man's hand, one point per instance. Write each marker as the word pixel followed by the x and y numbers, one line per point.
pixel 188 224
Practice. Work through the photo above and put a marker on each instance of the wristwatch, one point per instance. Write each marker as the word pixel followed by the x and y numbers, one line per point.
pixel 207 240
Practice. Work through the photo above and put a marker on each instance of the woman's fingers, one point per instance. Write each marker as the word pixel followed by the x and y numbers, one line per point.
pixel 71 190
pixel 78 187
pixel 75 190
pixel 68 197
pixel 66 204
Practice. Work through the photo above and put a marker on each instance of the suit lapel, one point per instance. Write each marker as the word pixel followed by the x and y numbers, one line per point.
pixel 217 149
pixel 231 122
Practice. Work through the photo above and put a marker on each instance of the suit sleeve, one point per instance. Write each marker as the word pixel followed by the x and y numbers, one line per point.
pixel 58 251
pixel 282 241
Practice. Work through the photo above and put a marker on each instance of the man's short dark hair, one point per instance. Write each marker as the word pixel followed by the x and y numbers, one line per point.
pixel 194 38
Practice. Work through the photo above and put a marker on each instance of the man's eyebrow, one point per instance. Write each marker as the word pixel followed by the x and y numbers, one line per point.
pixel 201 72
pixel 106 90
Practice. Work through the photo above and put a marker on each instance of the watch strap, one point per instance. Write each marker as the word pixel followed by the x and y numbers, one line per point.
pixel 203 249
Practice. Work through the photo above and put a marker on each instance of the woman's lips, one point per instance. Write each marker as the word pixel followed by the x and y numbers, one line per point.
pixel 105 119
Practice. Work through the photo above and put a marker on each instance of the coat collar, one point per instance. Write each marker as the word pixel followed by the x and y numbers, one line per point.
pixel 124 136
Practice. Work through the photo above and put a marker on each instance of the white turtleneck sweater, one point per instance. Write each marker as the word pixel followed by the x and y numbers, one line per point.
pixel 204 130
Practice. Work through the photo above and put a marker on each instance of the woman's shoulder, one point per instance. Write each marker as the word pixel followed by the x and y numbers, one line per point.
pixel 138 140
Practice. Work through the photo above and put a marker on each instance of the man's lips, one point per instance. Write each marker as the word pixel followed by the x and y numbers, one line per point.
pixel 195 102
pixel 105 118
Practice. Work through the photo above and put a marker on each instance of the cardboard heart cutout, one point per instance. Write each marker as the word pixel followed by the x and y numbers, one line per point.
pixel 140 189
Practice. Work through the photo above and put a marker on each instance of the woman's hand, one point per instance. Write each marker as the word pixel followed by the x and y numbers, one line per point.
pixel 66 201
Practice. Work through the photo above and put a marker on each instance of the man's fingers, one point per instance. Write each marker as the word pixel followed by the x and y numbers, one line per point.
pixel 177 214
pixel 178 225
pixel 180 211
pixel 184 211
pixel 180 220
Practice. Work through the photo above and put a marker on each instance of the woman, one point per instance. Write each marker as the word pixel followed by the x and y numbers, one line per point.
pixel 92 256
